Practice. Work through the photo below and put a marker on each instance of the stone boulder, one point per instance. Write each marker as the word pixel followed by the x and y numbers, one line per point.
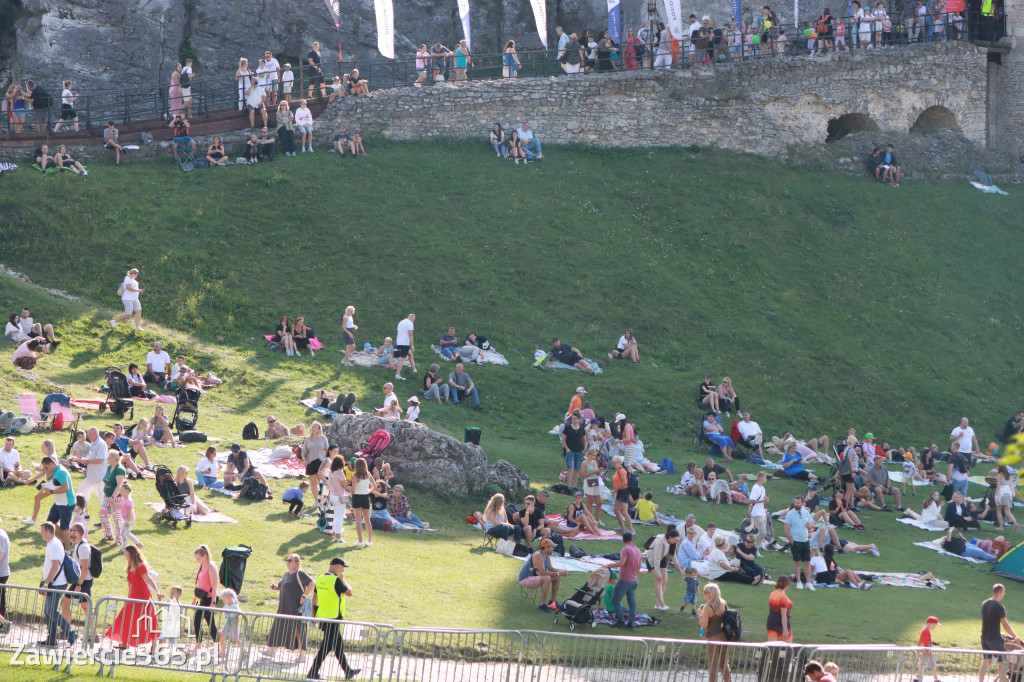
pixel 417 455
pixel 512 481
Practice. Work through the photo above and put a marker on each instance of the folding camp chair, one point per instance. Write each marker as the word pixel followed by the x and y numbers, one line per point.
pixel 28 405
pixel 701 440
pixel 185 156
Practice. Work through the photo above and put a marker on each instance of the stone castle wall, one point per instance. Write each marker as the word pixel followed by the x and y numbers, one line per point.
pixel 758 107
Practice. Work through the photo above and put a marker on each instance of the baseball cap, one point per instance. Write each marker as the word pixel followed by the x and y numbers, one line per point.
pixel 578 493
pixel 811 486
pixel 338 561
pixel 933 619
pixel 619 417
pixel 868 436
pixel 580 389
pixel 235 447
pixel 545 543
pixel 414 399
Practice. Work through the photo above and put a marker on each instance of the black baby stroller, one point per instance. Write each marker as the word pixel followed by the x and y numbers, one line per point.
pixel 177 505
pixel 186 412
pixel 119 396
pixel 579 609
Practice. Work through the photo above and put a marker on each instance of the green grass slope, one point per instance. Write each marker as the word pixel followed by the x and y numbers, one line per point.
pixel 830 301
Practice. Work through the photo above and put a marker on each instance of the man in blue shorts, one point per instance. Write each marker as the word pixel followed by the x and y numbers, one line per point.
pixel 574 442
pixel 181 136
pixel 63 495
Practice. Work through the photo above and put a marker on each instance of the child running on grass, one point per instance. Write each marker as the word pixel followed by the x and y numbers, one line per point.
pixel 127 518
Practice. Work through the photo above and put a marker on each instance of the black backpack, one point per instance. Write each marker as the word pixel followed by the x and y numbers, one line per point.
pixel 253 490
pixel 961 462
pixel 732 625
pixel 250 431
pixel 185 80
pixel 634 486
pixel 95 560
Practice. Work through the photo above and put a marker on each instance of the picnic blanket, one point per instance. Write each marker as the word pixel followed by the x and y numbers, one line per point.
pixel 936 546
pixel 8 167
pixel 490 356
pixel 278 463
pixel 897 477
pixel 54 169
pixel 311 404
pixel 907 580
pixel 602 617
pixel 314 342
pixel 363 358
pixel 603 535
pixel 918 524
pixel 103 389
pixel 213 517
pixel 664 519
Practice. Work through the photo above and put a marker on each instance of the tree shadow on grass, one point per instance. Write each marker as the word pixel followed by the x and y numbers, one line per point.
pixel 261 397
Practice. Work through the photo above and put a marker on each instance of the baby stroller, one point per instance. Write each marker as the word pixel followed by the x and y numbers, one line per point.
pixel 378 442
pixel 186 412
pixel 119 396
pixel 579 609
pixel 177 505
pixel 325 510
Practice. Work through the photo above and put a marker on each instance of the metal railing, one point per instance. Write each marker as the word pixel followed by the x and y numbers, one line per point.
pixel 282 647
pixel 218 93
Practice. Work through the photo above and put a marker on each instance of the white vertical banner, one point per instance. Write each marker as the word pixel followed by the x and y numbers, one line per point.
pixel 674 12
pixel 540 15
pixel 464 14
pixel 796 17
pixel 385 28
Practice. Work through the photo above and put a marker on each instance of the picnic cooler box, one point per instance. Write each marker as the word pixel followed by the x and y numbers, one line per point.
pixel 473 434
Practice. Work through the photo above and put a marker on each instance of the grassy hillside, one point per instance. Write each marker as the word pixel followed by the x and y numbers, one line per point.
pixel 830 301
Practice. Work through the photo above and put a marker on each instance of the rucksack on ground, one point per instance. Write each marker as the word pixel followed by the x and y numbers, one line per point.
pixel 732 625
pixel 250 431
pixel 253 490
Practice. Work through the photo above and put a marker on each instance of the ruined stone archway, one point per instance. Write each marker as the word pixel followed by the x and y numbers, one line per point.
pixel 935 118
pixel 838 128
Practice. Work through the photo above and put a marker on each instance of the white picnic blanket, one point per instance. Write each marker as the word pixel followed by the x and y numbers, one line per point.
pixel 267 461
pixel 490 356
pixel 936 546
pixel 918 524
pixel 213 517
pixel 897 477
pixel 364 358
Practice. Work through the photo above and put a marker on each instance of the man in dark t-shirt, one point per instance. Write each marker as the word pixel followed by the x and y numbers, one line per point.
pixel 993 621
pixel 710 465
pixel 1013 426
pixel 316 74
pixel 574 441
pixel 568 355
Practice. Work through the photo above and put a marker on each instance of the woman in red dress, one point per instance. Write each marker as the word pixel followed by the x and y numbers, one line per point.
pixel 632 43
pixel 136 624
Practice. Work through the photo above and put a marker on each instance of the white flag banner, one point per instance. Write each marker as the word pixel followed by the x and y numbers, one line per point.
pixel 385 28
pixel 464 14
pixel 675 19
pixel 540 14
pixel 796 16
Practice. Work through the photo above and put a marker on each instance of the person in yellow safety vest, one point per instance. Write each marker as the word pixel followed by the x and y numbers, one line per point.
pixel 329 600
pixel 986 8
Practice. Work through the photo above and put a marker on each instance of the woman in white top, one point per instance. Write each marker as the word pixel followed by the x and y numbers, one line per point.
pixel 304 124
pixel 362 483
pixel 931 512
pixel 244 78
pixel 662 553
pixel 184 483
pixel 67 107
pixel 721 570
pixel 349 333
pixel 495 521
pixel 130 292
pixel 627 348
pixel 13 330
pixel 1005 489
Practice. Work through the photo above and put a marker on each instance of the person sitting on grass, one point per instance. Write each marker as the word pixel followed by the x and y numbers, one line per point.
pixel 240 465
pixel 889 159
pixel 386 353
pixel 578 516
pixel 827 572
pixel 471 353
pixel 792 464
pixel 207 470
pixel 252 149
pixel 718 490
pixel 646 510
pixel 460 384
pixel 136 383
pixel 215 152
pixel 186 486
pixel 64 161
pixel 398 506
pixel 958 515
pixel 43 157
pixel 568 355
pixel 879 484
pixel 532 520
pixel 627 348
pixel 276 430
pixel 707 395
pixel 496 522
pixel 692 481
pixel 27 354
pixel 357 143
pixel 343 142
pixel 877 166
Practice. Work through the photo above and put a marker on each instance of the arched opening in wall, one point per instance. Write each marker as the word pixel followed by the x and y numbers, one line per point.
pixel 847 124
pixel 935 118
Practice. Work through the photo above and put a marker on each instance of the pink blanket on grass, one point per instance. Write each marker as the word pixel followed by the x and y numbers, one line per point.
pixel 314 342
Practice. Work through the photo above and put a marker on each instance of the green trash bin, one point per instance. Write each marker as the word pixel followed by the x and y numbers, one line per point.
pixel 473 434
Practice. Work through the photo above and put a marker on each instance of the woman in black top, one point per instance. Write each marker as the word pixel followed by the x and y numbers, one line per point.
pixel 283 335
pixel 958 515
pixel 215 153
pixel 301 334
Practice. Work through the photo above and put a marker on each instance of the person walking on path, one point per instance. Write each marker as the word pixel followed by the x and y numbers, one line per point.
pixel 130 292
pixel 331 590
pixel 628 566
pixel 54 579
pixel 993 620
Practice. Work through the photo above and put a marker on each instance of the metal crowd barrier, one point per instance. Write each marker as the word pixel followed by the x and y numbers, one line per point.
pixel 415 654
pixel 25 612
pixel 866 663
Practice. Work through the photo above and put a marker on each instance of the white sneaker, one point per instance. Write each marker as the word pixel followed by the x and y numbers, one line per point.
pixel 311 353
pixel 113 324
pixel 799 585
pixel 288 352
pixel 341 540
pixel 369 544
pixel 85 172
pixel 303 149
pixel 400 377
pixel 311 150
pixel 415 371
pixel 426 525
pixel 810 586
pixel 298 352
pixel 874 550
pixel 358 545
pixel 28 522
pixel 138 329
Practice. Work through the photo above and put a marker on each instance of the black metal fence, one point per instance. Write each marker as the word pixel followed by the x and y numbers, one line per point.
pixel 134 108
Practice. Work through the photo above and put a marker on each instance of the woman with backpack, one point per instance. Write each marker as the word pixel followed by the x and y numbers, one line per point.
pixel 711 616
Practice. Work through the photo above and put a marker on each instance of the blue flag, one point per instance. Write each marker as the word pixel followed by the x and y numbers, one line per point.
pixel 737 14
pixel 614 21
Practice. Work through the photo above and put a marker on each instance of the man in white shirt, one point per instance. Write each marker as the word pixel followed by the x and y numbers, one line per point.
pixel 965 438
pixel 157 361
pixel 10 460
pixel 273 68
pixel 391 409
pixel 53 578
pixel 33 328
pixel 177 368
pixel 186 87
pixel 694 26
pixel 706 542
pixel 95 467
pixel 130 299
pixel 404 347
pixel 758 501
pixel 751 433
pixel 530 143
